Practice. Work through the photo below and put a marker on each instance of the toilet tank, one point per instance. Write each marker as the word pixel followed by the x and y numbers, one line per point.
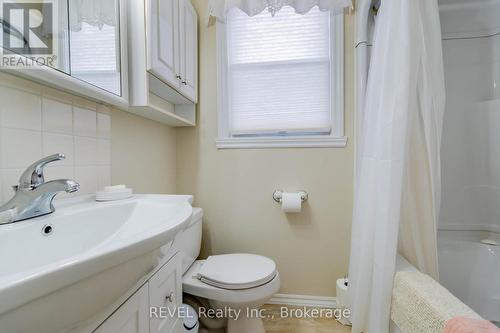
pixel 188 241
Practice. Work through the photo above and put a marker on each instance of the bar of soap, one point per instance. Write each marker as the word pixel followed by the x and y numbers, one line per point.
pixel 113 193
pixel 114 188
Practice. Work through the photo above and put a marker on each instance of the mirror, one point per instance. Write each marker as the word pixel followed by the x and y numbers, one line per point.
pixel 94 43
pixel 35 30
pixel 80 38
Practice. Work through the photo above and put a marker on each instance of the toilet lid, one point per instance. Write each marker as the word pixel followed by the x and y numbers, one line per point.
pixel 237 271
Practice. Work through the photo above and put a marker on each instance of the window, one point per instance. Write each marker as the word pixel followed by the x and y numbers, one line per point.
pixel 280 80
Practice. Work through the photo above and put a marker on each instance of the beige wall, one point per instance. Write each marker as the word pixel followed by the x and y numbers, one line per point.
pixel 235 189
pixel 143 154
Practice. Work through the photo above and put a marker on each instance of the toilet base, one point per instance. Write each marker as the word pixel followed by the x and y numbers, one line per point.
pixel 245 325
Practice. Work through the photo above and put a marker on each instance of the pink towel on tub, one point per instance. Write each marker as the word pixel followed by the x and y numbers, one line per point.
pixel 468 325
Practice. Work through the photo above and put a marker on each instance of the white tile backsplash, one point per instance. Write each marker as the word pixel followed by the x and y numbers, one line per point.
pixel 57 117
pixel 20 109
pixel 103 152
pixel 87 177
pixel 85 151
pixel 33 125
pixel 54 143
pixel 9 177
pixel 20 147
pixel 85 122
pixel 59 172
pixel 103 126
pixel 103 175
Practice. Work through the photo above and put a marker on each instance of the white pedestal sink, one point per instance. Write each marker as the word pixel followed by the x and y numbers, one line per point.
pixel 61 269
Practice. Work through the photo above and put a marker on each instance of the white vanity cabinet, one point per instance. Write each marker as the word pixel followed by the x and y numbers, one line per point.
pixel 165 290
pixel 131 317
pixel 161 294
pixel 172 44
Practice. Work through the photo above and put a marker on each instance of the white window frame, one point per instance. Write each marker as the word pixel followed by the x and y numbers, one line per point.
pixel 335 139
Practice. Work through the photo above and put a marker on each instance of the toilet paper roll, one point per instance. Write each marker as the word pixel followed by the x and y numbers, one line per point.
pixel 342 298
pixel 291 202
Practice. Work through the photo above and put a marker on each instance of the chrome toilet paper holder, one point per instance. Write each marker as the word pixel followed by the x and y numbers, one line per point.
pixel 278 195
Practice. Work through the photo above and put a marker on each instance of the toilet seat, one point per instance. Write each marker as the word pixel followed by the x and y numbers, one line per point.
pixel 192 285
pixel 237 271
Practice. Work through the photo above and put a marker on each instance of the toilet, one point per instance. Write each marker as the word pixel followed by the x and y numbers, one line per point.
pixel 239 282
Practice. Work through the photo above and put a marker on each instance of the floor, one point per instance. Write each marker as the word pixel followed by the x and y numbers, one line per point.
pixel 276 322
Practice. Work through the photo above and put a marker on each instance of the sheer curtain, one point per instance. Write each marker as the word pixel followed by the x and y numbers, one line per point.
pixel 218 9
pixel 93 12
pixel 399 170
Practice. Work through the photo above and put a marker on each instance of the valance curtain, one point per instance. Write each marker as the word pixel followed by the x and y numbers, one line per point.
pixel 96 13
pixel 398 182
pixel 217 9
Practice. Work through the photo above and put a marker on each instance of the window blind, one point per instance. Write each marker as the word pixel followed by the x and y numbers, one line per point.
pixel 94 57
pixel 279 77
pixel 93 49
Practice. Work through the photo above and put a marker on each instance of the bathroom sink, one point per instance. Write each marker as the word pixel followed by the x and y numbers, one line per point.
pixel 82 239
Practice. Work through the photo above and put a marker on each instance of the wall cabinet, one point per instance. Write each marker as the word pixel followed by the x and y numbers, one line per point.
pixel 188 23
pixel 139 55
pixel 163 40
pixel 163 290
pixel 172 40
pixel 163 68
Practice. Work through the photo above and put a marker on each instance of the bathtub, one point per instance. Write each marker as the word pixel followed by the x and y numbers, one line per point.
pixel 446 305
pixel 471 270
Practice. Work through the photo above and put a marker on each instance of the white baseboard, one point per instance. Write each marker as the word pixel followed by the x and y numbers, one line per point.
pixel 304 300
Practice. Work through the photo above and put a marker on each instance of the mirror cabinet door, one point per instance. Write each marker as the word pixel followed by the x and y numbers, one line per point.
pixel 36 30
pixel 78 37
pixel 94 43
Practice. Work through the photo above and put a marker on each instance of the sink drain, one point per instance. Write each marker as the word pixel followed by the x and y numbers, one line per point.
pixel 47 229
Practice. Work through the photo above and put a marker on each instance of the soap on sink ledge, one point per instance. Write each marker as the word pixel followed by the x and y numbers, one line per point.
pixel 113 193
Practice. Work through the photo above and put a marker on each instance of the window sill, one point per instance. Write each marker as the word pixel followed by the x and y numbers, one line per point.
pixel 282 142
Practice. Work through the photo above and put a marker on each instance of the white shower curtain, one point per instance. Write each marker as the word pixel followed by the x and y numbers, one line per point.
pixel 398 183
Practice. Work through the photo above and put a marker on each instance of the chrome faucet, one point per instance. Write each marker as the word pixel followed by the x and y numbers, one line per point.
pixel 33 196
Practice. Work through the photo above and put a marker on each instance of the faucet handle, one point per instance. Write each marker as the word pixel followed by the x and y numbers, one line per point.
pixel 33 176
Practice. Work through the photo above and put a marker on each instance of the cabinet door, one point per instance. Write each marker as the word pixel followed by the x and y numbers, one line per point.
pixel 131 317
pixel 163 40
pixel 188 26
pixel 165 292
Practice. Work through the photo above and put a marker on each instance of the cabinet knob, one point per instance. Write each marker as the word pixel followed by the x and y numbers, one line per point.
pixel 178 77
pixel 184 83
pixel 170 298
